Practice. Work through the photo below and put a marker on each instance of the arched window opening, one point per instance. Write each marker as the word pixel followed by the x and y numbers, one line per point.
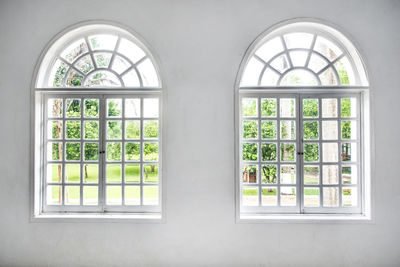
pixel 302 143
pixel 98 97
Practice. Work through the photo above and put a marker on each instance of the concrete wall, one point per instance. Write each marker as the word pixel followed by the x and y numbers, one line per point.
pixel 200 45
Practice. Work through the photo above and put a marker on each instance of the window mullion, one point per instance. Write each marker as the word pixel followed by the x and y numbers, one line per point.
pixel 300 153
pixel 102 173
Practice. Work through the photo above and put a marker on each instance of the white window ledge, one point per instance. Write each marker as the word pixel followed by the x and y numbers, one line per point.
pixel 99 217
pixel 304 218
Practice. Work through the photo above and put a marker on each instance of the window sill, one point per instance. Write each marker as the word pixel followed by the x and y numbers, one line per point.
pixel 304 218
pixel 99 217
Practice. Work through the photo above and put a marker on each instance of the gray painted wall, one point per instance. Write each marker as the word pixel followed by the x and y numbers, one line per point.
pixel 200 45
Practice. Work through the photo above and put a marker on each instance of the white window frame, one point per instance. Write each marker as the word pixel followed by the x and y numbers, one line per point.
pixel 361 91
pixel 40 92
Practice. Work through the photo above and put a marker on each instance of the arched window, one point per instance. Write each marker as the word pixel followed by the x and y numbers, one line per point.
pixel 303 144
pixel 97 148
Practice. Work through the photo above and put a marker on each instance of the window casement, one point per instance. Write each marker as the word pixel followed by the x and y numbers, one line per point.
pixel 302 127
pixel 97 126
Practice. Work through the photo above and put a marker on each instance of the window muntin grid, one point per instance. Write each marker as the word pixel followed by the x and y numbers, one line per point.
pixel 300 58
pixel 138 186
pixel 103 60
pixel 309 194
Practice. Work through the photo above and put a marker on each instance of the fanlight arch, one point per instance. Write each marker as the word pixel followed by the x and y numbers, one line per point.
pixel 302 54
pixel 97 55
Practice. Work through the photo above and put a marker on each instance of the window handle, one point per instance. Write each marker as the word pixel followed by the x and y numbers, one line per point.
pixel 300 153
pixel 102 152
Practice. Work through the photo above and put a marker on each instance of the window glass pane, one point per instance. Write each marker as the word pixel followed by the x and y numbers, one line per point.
pixel 298 58
pixel 280 63
pixel 57 74
pixel 250 129
pixel 54 151
pixel 103 42
pixel 311 174
pixel 131 79
pixel 270 48
pixel 132 151
pixel 298 40
pixel 150 108
pixel 249 173
pixel 311 197
pixel 132 173
pixel 131 50
pixel 330 152
pixel 310 130
pixel 72 195
pixel 349 197
pixel 150 173
pixel 55 108
pixel 150 151
pixel 327 48
pixel 329 130
pixel 90 195
pixel 91 151
pixel 268 130
pixel 54 195
pixel 249 151
pixel 148 73
pixel 345 71
pixel 91 108
pixel 114 151
pixel 150 129
pixel 328 77
pixel 102 79
pixel 269 196
pixel 348 107
pixel 132 129
pixel 349 174
pixel 288 151
pixel 317 63
pixel 102 59
pixel 113 195
pixel 288 196
pixel 120 65
pixel 249 107
pixel 73 129
pixel 330 174
pixel 55 129
pixel 288 174
pixel 250 196
pixel 132 108
pixel 132 195
pixel 91 129
pixel 114 108
pixel 349 151
pixel 84 64
pixel 331 197
pixel 150 195
pixel 72 151
pixel 311 152
pixel 72 173
pixel 91 173
pixel 349 130
pixel 73 108
pixel 268 174
pixel 310 108
pixel 73 79
pixel 114 173
pixel 288 130
pixel 287 107
pixel 252 73
pixel 268 151
pixel 114 130
pixel 268 107
pixel 329 108
pixel 74 50
pixel 54 173
pixel 269 77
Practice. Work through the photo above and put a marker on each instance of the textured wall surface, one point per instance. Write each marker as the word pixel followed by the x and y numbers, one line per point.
pixel 200 45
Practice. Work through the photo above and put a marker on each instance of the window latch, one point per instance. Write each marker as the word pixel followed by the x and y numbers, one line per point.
pixel 300 153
